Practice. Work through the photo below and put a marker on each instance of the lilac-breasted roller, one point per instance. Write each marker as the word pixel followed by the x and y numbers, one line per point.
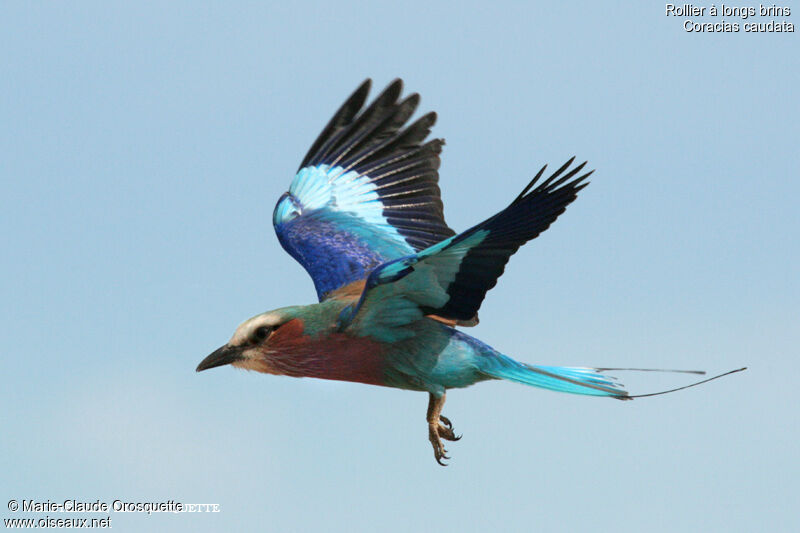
pixel 364 217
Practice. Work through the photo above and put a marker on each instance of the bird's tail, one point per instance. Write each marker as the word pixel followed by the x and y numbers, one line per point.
pixel 575 380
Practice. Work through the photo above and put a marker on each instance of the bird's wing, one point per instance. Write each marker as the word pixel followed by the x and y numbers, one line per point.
pixel 366 193
pixel 450 279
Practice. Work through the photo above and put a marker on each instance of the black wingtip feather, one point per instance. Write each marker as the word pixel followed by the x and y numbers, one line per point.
pixel 530 185
pixel 343 116
pixel 556 174
pixel 356 136
pixel 532 213
pixel 552 183
pixel 358 125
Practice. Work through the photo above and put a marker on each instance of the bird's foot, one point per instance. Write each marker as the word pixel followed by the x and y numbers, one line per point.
pixel 443 429
pixel 439 451
pixel 439 427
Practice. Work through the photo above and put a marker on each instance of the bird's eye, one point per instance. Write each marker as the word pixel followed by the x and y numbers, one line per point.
pixel 261 333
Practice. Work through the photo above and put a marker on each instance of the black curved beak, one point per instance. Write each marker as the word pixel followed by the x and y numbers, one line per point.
pixel 225 355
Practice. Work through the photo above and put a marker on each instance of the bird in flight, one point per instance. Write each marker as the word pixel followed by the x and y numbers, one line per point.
pixel 364 217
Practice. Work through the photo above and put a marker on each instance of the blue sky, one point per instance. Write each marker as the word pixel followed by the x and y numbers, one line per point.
pixel 143 148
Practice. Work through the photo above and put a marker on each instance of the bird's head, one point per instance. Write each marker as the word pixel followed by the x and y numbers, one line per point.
pixel 256 339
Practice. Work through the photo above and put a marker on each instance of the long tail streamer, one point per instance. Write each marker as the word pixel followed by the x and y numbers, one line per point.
pixel 701 372
pixel 632 396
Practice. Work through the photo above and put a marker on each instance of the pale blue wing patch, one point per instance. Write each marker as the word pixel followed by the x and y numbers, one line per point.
pixel 322 187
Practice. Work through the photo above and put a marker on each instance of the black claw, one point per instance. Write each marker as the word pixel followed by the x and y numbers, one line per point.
pixel 448 434
pixel 446 421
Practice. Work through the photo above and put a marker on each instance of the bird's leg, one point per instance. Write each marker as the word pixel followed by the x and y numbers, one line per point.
pixel 439 427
